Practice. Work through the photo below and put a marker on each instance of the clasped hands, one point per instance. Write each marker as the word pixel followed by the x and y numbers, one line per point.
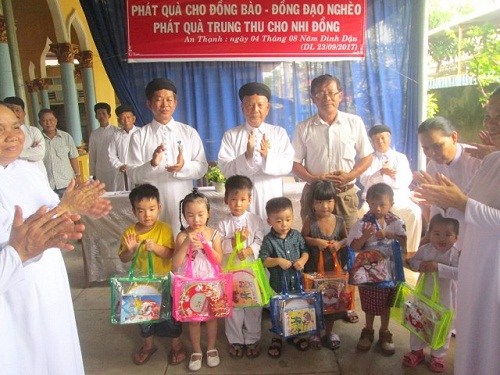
pixel 265 145
pixel 158 156
pixel 439 191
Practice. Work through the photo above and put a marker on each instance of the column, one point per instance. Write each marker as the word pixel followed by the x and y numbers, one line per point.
pixel 86 67
pixel 43 86
pixel 65 53
pixel 6 80
pixel 35 105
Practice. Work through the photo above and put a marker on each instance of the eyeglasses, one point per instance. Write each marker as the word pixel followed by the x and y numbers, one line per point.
pixel 324 94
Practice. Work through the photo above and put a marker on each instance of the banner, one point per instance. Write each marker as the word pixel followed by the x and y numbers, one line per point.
pixel 274 30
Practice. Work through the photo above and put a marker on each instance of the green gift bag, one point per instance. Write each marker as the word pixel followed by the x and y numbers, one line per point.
pixel 140 299
pixel 422 315
pixel 250 283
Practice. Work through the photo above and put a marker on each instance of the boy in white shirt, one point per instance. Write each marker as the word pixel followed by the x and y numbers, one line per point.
pixel 243 329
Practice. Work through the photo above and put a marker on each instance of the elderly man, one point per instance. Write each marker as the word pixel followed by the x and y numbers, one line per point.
pixel 100 138
pixel 257 149
pixel 393 168
pixel 166 153
pixel 34 145
pixel 119 146
pixel 326 147
pixel 60 153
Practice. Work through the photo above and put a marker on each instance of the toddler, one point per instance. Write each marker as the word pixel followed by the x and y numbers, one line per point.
pixel 145 200
pixel 377 230
pixel 441 256
pixel 195 209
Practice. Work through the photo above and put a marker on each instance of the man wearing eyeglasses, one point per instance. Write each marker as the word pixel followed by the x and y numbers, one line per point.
pixel 326 148
pixel 256 149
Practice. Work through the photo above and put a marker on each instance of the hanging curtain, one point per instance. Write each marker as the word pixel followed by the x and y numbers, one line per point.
pixel 381 88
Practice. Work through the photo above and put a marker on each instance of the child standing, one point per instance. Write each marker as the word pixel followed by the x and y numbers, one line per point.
pixel 441 256
pixel 195 208
pixel 283 251
pixel 145 200
pixel 324 231
pixel 243 329
pixel 377 230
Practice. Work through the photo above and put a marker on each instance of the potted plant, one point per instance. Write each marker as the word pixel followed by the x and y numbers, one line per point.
pixel 215 175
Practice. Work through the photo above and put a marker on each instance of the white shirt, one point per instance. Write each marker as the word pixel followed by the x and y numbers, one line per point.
pixel 172 186
pixel 37 322
pixel 256 233
pixel 266 175
pixel 400 184
pixel 118 153
pixel 325 148
pixel 32 153
pixel 99 164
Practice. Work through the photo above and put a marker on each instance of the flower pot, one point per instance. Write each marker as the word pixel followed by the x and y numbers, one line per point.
pixel 220 187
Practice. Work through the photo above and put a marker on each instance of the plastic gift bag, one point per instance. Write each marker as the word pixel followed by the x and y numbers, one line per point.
pixel 422 315
pixel 199 299
pixel 376 268
pixel 250 283
pixel 297 313
pixel 140 299
pixel 337 293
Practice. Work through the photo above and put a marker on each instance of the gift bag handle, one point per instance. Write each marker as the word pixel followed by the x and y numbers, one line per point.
pixel 284 286
pixel 131 272
pixel 208 251
pixel 435 288
pixel 336 264
pixel 238 246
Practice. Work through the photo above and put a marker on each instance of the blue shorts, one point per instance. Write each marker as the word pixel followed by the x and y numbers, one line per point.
pixel 167 328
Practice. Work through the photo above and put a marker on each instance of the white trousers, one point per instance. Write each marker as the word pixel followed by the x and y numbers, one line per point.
pixel 245 326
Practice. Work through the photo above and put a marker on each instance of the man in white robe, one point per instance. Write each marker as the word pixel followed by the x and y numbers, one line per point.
pixel 99 164
pixel 166 153
pixel 34 143
pixel 393 168
pixel 119 146
pixel 256 149
pixel 37 322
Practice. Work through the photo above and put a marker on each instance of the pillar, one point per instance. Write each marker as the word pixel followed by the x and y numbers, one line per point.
pixel 35 104
pixel 86 67
pixel 43 87
pixel 6 80
pixel 65 53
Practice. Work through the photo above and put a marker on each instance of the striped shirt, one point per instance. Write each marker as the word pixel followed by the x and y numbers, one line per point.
pixel 58 152
pixel 291 248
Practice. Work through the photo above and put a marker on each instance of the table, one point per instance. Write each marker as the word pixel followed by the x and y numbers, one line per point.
pixel 101 238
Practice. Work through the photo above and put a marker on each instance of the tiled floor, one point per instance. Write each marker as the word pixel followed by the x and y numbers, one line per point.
pixel 106 348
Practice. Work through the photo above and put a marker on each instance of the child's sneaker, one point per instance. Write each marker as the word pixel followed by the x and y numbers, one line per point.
pixel 366 339
pixel 385 342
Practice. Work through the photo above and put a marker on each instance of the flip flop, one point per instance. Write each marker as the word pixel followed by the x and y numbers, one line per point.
pixel 143 355
pixel 174 355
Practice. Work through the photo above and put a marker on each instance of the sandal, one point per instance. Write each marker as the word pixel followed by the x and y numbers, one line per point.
pixel 300 343
pixel 253 350
pixel 333 341
pixel 437 364
pixel 351 316
pixel 274 350
pixel 315 342
pixel 176 357
pixel 195 361
pixel 143 355
pixel 413 358
pixel 213 359
pixel 236 351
